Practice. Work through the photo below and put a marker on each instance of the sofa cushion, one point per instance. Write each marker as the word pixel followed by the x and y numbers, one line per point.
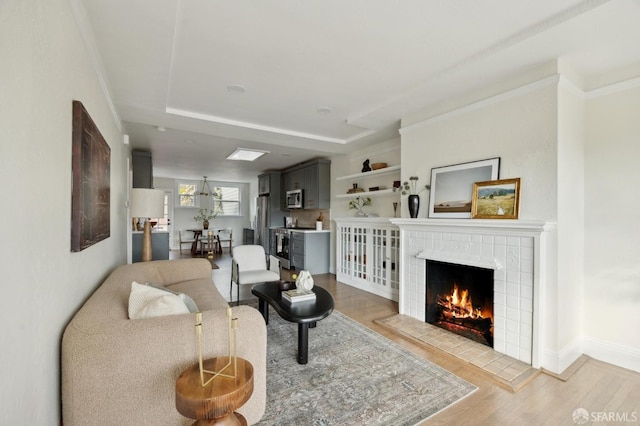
pixel 203 292
pixel 148 302
pixel 191 305
pixel 252 277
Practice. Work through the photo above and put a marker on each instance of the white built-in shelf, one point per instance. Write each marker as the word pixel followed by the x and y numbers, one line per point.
pixel 378 172
pixel 366 193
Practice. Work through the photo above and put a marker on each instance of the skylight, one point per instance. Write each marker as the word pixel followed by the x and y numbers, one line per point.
pixel 244 154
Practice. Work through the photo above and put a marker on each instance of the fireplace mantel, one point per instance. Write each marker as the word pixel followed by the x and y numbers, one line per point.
pixel 477 225
pixel 523 254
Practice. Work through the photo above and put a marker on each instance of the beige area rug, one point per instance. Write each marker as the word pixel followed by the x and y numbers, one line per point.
pixel 507 372
pixel 354 376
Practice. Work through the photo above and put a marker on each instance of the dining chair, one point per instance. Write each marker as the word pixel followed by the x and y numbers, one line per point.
pixel 185 239
pixel 225 235
pixel 209 243
pixel 250 265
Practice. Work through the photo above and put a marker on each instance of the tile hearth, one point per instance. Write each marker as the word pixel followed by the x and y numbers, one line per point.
pixel 505 370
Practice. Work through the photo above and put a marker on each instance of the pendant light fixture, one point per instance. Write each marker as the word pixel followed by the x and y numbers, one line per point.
pixel 205 190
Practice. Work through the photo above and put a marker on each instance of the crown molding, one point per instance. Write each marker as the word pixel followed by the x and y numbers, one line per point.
pixel 558 79
pixel 571 87
pixel 252 126
pixel 613 88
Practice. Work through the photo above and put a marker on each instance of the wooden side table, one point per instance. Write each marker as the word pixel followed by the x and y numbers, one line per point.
pixel 216 402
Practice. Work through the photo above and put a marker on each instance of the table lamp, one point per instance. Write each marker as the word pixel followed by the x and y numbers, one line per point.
pixel 147 203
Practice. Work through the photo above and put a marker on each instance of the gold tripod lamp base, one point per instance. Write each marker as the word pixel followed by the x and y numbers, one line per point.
pixel 232 326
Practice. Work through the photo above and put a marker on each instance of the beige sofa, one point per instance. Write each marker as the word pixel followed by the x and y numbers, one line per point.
pixel 117 371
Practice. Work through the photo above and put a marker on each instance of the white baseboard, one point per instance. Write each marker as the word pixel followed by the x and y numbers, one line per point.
pixel 557 362
pixel 622 356
pixel 363 285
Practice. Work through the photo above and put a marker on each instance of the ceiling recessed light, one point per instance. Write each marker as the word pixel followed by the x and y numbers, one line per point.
pixel 244 154
pixel 161 129
pixel 236 89
pixel 324 110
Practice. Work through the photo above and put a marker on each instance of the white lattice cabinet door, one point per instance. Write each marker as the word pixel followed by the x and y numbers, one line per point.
pixel 368 255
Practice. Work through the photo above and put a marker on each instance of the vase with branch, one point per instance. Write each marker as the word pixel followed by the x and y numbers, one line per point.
pixel 205 215
pixel 359 203
pixel 410 188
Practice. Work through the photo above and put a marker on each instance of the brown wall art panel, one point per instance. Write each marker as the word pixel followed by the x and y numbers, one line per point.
pixel 91 168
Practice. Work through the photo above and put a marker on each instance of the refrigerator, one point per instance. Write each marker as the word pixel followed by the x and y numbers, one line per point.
pixel 268 215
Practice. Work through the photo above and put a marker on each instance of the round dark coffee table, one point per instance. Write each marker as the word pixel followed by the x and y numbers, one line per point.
pixel 305 314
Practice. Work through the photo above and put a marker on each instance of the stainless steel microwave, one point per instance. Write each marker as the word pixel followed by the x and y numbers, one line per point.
pixel 294 199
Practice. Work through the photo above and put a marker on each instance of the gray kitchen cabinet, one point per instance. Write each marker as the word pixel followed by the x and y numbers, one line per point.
pixel 313 177
pixel 294 180
pixel 159 246
pixel 316 185
pixel 248 236
pixel 310 251
pixel 269 183
pixel 142 169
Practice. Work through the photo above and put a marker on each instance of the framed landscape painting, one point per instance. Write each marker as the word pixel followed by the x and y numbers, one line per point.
pixel 496 199
pixel 452 187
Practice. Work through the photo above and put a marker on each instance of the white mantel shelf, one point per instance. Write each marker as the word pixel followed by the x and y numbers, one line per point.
pixel 477 225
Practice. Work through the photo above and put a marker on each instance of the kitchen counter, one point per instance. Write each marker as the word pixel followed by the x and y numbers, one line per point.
pixel 309 250
pixel 159 245
pixel 301 248
pixel 306 230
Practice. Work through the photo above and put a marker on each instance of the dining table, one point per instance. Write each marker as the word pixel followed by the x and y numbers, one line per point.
pixel 197 233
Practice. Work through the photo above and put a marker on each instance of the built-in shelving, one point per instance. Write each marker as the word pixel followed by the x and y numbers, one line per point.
pixel 366 194
pixel 378 172
pixel 365 175
pixel 368 255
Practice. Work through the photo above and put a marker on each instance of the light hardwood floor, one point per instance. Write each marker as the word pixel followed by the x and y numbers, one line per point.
pixel 600 388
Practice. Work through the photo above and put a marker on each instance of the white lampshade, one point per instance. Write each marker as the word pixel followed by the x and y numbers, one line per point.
pixel 147 203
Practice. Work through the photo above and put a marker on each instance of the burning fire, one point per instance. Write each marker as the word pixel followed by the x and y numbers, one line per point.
pixel 460 305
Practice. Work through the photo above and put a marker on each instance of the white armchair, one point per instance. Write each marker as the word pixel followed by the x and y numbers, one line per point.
pixel 250 265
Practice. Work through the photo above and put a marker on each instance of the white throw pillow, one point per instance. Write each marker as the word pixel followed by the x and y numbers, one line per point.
pixel 191 305
pixel 148 302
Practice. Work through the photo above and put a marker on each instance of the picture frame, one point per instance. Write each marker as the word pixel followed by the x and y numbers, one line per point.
pixel 496 199
pixel 91 191
pixel 452 187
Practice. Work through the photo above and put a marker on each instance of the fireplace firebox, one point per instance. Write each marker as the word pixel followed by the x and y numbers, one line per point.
pixel 460 300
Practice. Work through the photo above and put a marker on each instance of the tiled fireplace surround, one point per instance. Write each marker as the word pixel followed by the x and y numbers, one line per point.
pixel 521 254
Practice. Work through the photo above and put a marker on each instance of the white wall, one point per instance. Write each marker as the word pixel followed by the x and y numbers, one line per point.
pixel 577 156
pixel 612 228
pixel 570 238
pixel 44 67
pixel 520 128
